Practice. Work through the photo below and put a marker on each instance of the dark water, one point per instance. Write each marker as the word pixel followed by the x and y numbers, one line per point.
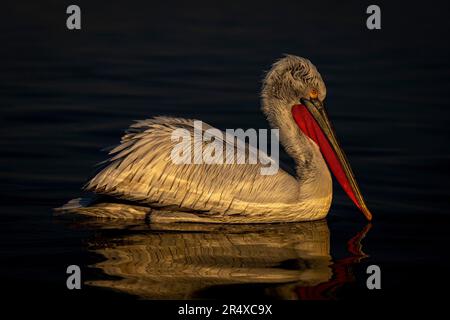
pixel 65 95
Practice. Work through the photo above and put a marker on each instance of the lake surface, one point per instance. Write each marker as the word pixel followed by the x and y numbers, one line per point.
pixel 65 95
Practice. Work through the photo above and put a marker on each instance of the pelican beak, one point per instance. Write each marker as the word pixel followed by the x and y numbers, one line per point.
pixel 312 119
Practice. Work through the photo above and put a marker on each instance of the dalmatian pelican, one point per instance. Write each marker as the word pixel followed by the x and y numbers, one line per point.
pixel 145 183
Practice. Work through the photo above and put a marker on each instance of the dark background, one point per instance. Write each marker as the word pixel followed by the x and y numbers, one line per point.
pixel 64 95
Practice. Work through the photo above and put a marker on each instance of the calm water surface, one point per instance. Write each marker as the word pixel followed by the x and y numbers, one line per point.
pixel 65 95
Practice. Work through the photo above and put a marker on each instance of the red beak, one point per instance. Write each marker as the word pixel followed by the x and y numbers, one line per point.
pixel 313 121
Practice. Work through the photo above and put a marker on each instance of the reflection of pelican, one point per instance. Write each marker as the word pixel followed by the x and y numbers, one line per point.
pixel 141 170
pixel 182 261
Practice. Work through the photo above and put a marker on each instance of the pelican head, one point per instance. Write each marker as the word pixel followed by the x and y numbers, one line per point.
pixel 291 79
pixel 293 93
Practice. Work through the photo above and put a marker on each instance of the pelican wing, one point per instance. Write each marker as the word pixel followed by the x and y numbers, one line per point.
pixel 141 169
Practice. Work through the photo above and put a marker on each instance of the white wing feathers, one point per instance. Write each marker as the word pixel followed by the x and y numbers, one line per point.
pixel 141 169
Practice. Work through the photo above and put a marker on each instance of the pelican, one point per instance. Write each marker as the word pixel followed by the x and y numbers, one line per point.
pixel 141 173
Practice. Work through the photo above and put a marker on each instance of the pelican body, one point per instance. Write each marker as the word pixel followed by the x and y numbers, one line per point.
pixel 140 169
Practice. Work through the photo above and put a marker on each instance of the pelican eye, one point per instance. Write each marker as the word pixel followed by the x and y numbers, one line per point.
pixel 313 94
